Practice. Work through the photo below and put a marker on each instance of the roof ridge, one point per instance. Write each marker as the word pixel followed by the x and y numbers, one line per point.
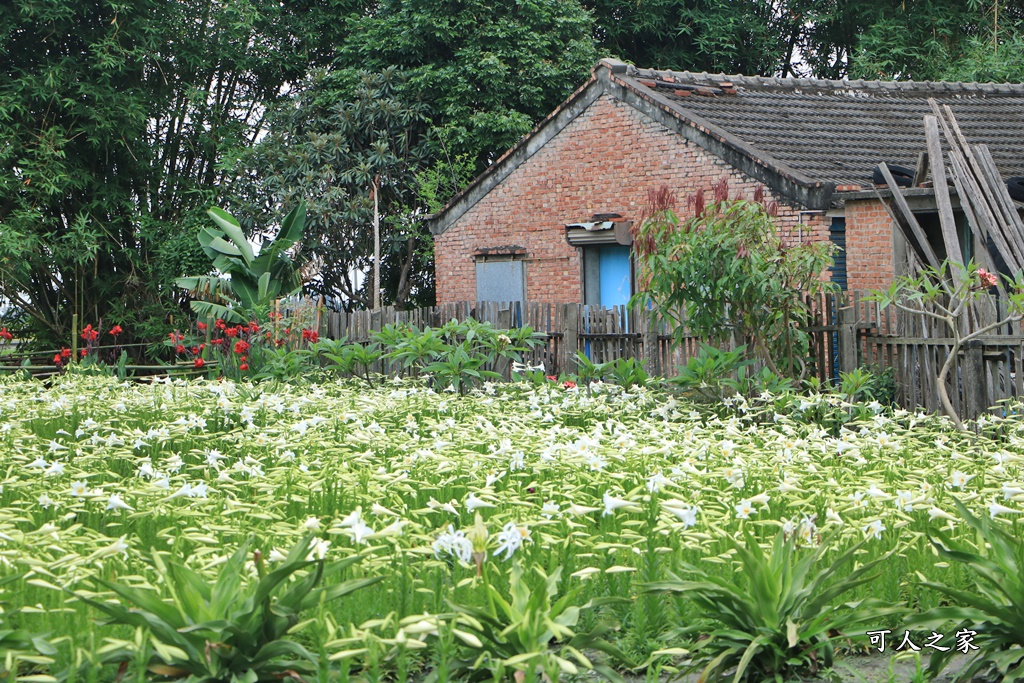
pixel 741 81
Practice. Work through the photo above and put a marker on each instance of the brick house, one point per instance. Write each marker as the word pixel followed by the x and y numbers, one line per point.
pixel 548 221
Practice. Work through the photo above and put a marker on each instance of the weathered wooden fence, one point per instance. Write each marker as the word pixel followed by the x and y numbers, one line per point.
pixel 603 334
pixel 847 332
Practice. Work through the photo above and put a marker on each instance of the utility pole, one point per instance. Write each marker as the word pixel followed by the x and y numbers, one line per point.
pixel 376 243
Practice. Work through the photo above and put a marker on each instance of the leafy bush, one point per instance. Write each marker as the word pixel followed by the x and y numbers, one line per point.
pixel 255 280
pixel 994 609
pixel 773 617
pixel 726 273
pixel 532 633
pixel 708 372
pixel 862 385
pixel 235 629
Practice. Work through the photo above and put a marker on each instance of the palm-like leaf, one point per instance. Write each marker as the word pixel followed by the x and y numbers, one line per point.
pixel 994 609
pixel 247 280
pixel 778 616
pixel 235 628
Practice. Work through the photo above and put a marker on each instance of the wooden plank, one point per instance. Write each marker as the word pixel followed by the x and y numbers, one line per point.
pixel 978 225
pixel 1018 370
pixel 921 170
pixel 976 181
pixel 915 237
pixel 973 379
pixel 1002 199
pixel 941 185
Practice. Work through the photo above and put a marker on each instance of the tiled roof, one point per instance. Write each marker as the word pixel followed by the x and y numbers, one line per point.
pixel 838 131
pixel 803 138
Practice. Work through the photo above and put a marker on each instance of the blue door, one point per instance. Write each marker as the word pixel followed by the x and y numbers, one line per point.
pixel 615 275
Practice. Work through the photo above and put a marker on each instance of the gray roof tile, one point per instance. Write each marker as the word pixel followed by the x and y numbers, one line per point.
pixel 838 131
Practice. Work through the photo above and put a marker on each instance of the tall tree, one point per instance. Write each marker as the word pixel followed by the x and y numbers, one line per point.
pixel 119 121
pixel 347 132
pixel 732 36
pixel 491 70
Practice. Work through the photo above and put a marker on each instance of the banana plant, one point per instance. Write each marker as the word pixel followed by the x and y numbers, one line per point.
pixel 246 280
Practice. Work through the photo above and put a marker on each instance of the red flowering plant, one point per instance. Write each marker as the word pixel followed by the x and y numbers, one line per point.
pixel 94 353
pixel 6 339
pixel 275 345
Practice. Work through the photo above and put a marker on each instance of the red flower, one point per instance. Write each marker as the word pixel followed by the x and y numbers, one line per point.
pixel 312 336
pixel 231 331
pixel 253 327
pixel 5 335
pixel 199 362
pixel 216 342
pixel 115 330
pixel 201 327
pixel 65 353
pixel 57 359
pixel 551 377
pixel 987 279
pixel 89 334
pixel 202 346
pixel 569 384
pixel 241 347
pixel 243 367
pixel 219 324
pixel 195 350
pixel 82 353
pixel 179 348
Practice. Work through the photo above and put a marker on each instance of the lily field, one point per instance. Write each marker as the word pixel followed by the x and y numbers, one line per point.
pixel 614 487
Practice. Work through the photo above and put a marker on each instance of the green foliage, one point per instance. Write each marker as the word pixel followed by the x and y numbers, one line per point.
pixel 627 373
pixel 533 631
pixel 993 607
pixel 948 294
pixel 774 617
pixel 707 373
pixel 861 385
pixel 235 628
pixel 491 70
pixel 725 272
pixel 19 646
pixel 355 359
pixel 343 130
pixel 719 36
pixel 117 120
pixel 253 282
pixel 476 352
pixel 442 181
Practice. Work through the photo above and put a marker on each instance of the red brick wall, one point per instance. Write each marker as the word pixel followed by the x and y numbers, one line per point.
pixel 869 245
pixel 603 162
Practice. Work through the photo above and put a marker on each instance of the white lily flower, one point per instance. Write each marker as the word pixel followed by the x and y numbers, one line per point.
pixel 997 509
pixel 510 539
pixel 875 528
pixel 611 504
pixel 474 503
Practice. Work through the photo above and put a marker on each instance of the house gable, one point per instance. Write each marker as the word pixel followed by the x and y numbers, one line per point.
pixel 610 78
pixel 603 160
